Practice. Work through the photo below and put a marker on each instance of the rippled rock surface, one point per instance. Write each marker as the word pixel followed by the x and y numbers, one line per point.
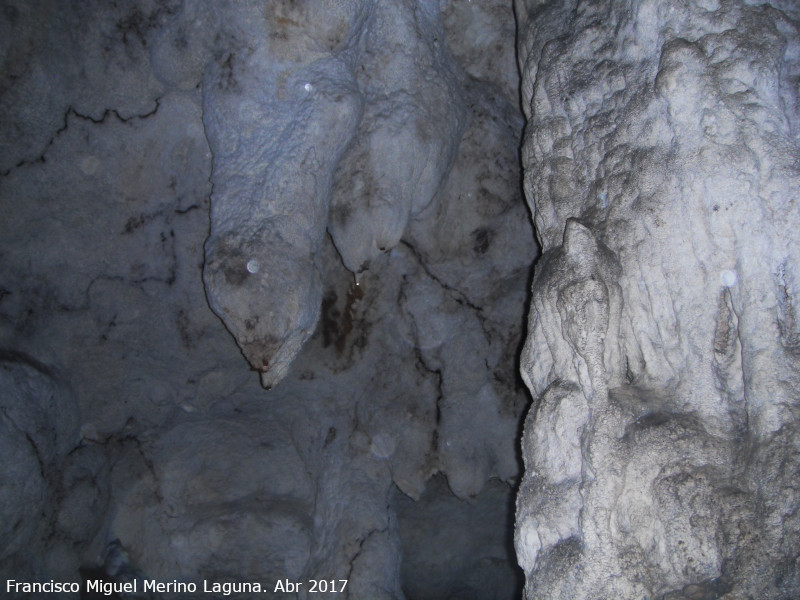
pixel 661 163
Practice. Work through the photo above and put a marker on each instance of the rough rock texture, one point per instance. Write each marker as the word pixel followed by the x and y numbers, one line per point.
pixel 279 109
pixel 38 427
pixel 159 159
pixel 661 163
pixel 292 85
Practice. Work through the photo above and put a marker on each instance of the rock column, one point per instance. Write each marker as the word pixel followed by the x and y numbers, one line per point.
pixel 661 166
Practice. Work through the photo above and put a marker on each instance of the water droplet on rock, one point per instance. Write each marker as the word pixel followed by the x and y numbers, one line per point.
pixel 728 278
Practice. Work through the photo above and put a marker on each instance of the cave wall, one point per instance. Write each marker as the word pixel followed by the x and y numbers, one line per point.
pixel 330 189
pixel 322 198
pixel 661 165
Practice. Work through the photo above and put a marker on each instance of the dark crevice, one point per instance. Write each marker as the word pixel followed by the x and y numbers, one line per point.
pixel 31 441
pixel 38 454
pixel 71 111
pixel 360 550
pixel 439 394
pixel 457 295
pixel 183 211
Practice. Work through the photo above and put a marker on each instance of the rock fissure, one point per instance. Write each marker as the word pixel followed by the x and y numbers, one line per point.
pixel 72 112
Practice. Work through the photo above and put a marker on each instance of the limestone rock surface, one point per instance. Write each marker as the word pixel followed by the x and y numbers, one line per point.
pixel 661 165
pixel 290 88
pixel 38 427
pixel 332 187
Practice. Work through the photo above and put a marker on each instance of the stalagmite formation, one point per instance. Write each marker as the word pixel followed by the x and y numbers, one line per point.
pixel 661 165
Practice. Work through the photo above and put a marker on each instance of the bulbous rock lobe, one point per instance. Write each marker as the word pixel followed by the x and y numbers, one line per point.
pixel 290 97
pixel 407 141
pixel 279 111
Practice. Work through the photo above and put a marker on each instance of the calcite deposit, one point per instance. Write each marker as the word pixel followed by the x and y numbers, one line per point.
pixel 264 272
pixel 291 86
pixel 330 189
pixel 661 165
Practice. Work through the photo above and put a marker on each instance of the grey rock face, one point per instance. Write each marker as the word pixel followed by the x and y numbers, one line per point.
pixel 38 427
pixel 291 86
pixel 278 110
pixel 465 555
pixel 660 162
pixel 193 155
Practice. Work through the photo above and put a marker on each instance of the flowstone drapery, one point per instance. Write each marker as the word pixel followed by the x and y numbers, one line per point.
pixel 661 164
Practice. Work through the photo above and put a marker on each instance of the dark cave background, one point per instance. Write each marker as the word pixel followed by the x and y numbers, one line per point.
pixel 136 440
